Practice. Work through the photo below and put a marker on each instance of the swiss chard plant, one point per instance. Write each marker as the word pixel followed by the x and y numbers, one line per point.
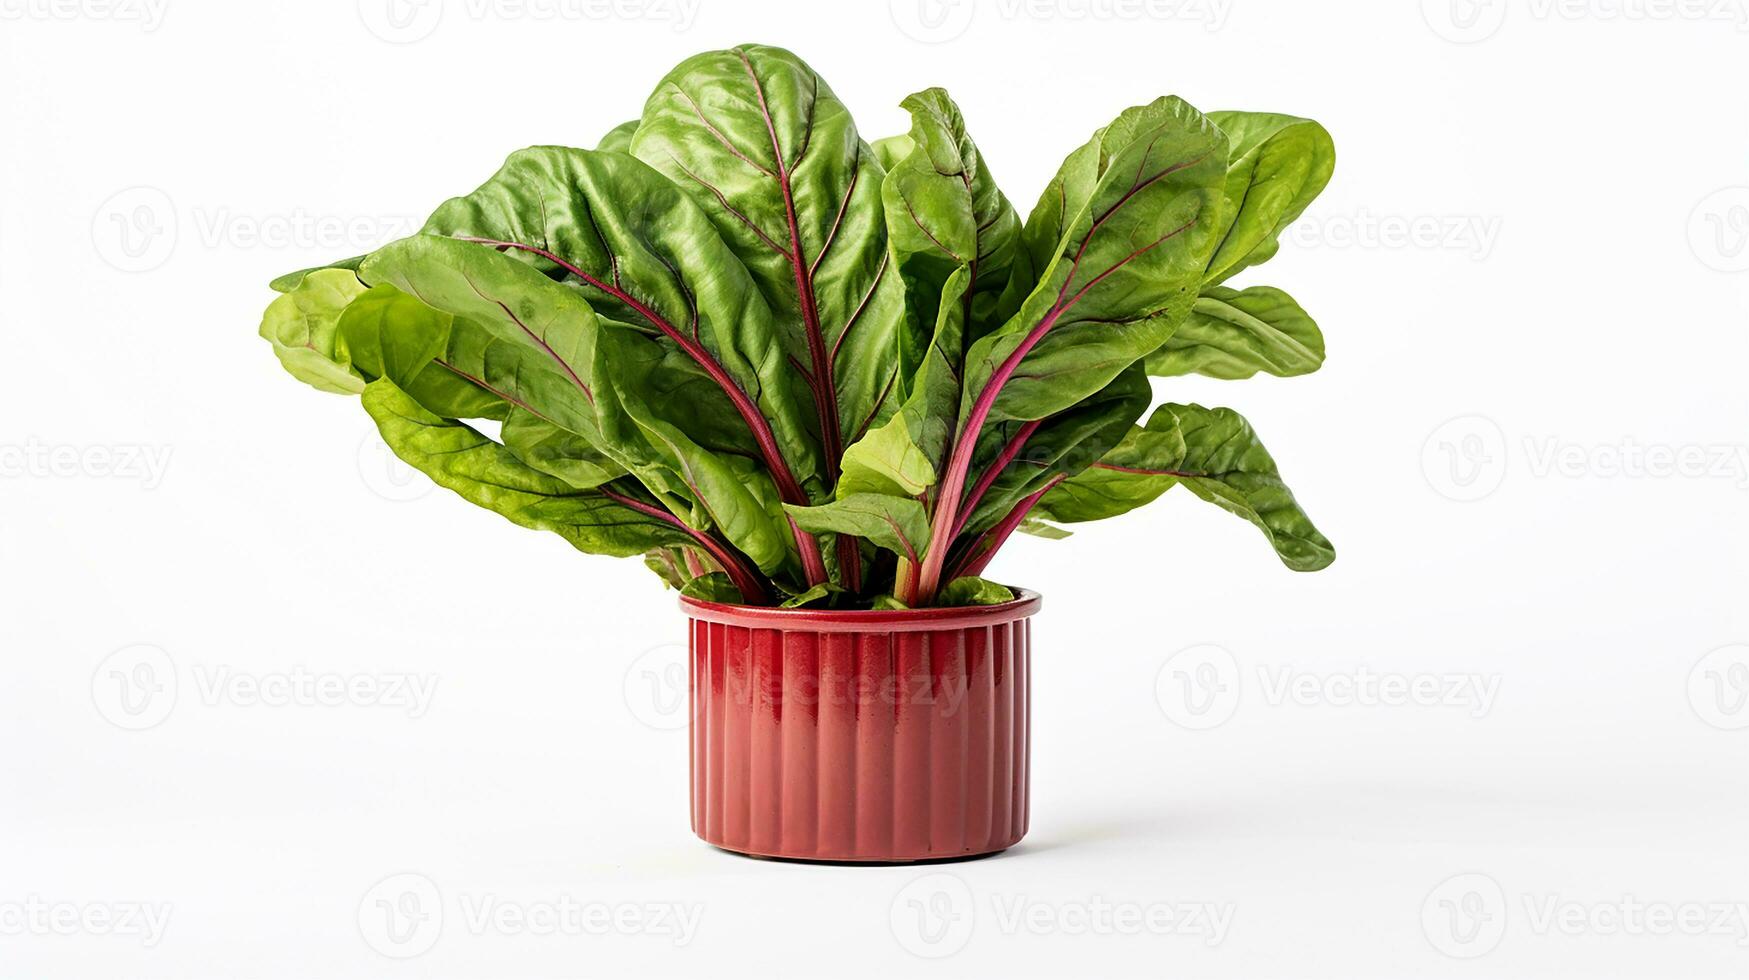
pixel 788 366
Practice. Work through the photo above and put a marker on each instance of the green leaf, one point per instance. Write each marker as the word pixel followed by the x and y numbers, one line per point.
pixel 1123 274
pixel 1215 454
pixel 556 452
pixel 539 346
pixel 483 472
pixel 619 138
pixel 897 524
pixel 1234 334
pixel 643 254
pixel 769 152
pixel 504 328
pixel 888 603
pixel 393 335
pixel 970 590
pixel 904 456
pixel 812 595
pixel 712 587
pixel 667 564
pixel 291 280
pixel 302 326
pixel 1277 165
pixel 944 213
pixel 1065 444
pixel 889 150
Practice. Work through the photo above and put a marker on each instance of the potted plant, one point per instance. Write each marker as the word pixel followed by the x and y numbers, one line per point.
pixel 816 384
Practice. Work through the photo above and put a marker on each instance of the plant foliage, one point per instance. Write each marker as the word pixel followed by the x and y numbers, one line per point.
pixel 789 367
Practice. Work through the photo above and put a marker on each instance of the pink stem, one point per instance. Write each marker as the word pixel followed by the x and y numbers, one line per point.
pixel 976 560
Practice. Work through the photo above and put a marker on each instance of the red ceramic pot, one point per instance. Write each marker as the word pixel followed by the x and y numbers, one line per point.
pixel 860 736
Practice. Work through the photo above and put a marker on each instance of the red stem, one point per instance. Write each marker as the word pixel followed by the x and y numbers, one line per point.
pixel 976 560
pixel 1015 443
pixel 752 591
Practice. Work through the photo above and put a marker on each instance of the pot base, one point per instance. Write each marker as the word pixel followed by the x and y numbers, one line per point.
pixel 861 862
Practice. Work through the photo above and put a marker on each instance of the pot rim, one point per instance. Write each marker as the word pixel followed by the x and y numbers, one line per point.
pixel 1024 604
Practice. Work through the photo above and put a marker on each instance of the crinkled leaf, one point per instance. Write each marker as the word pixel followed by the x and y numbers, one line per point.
pixel 538 345
pixel 1215 454
pixel 643 254
pixel 945 213
pixel 1234 334
pixel 483 472
pixel 303 327
pixel 765 147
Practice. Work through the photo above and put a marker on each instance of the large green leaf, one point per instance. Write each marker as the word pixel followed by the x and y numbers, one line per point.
pixel 501 326
pixel 1234 334
pixel 483 472
pixel 645 255
pixel 1277 165
pixel 1124 272
pixel 1215 454
pixel 766 148
pixel 539 346
pixel 303 327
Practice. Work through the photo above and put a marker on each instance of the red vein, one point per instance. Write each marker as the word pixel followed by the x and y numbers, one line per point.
pixel 787 485
pixel 826 387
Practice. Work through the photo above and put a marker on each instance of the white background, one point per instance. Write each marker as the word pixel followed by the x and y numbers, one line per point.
pixel 1539 227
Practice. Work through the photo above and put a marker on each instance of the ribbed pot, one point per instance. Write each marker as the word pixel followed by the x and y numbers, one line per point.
pixel 860 736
